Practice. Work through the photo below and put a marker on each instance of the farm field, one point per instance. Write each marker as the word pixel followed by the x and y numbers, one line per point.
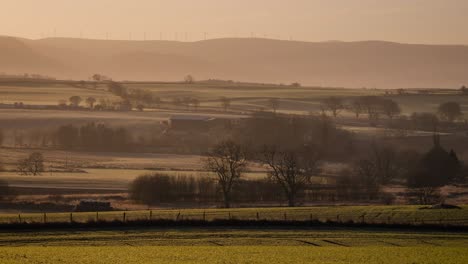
pixel 29 119
pixel 233 246
pixel 106 160
pixel 245 97
pixel 235 254
pixel 294 100
pixel 47 93
pixel 358 214
pixel 94 179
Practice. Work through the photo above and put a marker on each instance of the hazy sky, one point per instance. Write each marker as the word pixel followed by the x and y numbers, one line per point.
pixel 413 21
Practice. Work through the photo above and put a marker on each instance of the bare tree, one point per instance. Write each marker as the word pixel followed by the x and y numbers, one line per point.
pixel 367 176
pixel 32 165
pixel 97 77
pixel 333 104
pixel 225 103
pixel 373 107
pixel 356 107
pixel 91 101
pixel 291 169
pixel 274 104
pixel 189 79
pixel 385 160
pixel 228 161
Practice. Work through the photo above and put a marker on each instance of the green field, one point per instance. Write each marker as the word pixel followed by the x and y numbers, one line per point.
pixel 232 246
pixel 367 214
pixel 236 254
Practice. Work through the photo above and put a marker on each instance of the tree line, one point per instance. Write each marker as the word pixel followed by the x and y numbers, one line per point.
pixel 92 137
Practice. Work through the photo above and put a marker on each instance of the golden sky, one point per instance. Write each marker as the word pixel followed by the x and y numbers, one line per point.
pixel 409 21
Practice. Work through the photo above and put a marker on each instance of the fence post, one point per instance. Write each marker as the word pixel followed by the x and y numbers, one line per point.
pixel 19 218
pixel 151 215
pixel 229 215
pixel 258 216
pixel 45 218
pixel 97 216
pixel 178 215
pixel 337 218
pixel 71 217
pixel 124 217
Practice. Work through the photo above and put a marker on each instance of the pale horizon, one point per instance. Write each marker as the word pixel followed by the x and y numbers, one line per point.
pixel 416 22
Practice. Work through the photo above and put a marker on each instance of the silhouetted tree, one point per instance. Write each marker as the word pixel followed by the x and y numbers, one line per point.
pixel 464 90
pixel 90 101
pixel 356 107
pixel 450 111
pixel 118 89
pixel 390 108
pixel 333 104
pixel 228 161
pixel 75 100
pixel 373 106
pixel 365 172
pixel 32 165
pixel 189 79
pixel 437 168
pixel 97 77
pixel 292 169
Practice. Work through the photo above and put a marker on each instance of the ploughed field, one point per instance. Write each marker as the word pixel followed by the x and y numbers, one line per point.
pixel 211 245
pixel 412 215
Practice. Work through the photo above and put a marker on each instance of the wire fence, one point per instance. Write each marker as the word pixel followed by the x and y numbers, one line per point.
pixel 412 217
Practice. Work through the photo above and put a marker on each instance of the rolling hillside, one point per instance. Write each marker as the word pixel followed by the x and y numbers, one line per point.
pixel 342 64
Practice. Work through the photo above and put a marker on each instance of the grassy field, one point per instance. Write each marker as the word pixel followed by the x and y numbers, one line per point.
pixel 366 214
pixel 236 254
pixel 233 246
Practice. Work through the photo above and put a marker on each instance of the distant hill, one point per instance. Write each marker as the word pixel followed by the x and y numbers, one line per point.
pixel 340 64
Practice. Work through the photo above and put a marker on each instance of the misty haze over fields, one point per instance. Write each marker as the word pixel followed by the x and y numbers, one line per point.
pixel 339 64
